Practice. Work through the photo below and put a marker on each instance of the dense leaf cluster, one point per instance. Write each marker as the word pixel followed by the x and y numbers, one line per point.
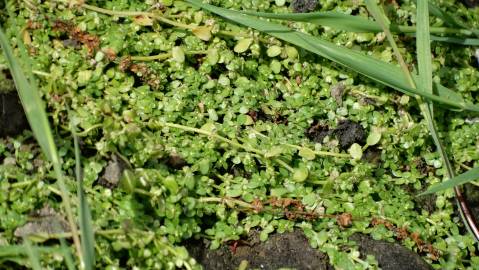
pixel 263 97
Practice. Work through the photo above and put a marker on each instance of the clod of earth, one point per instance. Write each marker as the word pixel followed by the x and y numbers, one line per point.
pixel 390 256
pixel 12 116
pixel 349 132
pixel 286 250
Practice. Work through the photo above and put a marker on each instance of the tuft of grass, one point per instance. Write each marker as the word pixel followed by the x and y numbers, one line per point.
pixel 350 23
pixel 424 81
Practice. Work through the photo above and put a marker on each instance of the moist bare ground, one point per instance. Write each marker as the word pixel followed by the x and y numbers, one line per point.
pixel 12 117
pixel 287 250
pixel 292 250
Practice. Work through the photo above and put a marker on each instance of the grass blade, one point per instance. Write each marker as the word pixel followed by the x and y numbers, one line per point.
pixel 383 21
pixel 454 40
pixel 86 228
pixel 385 73
pixel 67 254
pixel 423 47
pixel 331 19
pixel 448 19
pixel 444 16
pixel 471 175
pixel 425 79
pixel 32 254
pixel 37 118
pixel 341 21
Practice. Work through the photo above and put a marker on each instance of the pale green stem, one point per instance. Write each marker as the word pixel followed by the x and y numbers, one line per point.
pixel 23 184
pixel 138 13
pixel 214 135
pixel 226 200
pixel 320 153
pixel 433 30
pixel 86 131
pixel 163 56
pixel 226 140
pixel 284 164
pixel 46 236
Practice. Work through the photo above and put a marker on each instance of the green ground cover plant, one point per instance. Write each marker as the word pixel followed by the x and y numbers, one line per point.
pixel 220 122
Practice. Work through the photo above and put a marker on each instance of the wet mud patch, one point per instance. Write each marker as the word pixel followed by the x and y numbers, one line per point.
pixel 349 132
pixel 287 250
pixel 12 117
pixel 390 256
pixel 317 132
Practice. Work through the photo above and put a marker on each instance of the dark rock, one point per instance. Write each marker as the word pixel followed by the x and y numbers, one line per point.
pixel 288 250
pixel 175 161
pixel 337 93
pixel 349 132
pixel 12 117
pixel 390 256
pixel 303 6
pixel 43 221
pixel 113 172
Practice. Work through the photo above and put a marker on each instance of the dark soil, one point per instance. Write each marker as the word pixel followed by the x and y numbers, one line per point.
pixel 470 3
pixel 292 250
pixel 317 132
pixel 12 117
pixel 390 256
pixel 349 132
pixel 287 250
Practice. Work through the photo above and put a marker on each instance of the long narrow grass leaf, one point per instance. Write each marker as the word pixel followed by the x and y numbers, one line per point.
pixel 350 23
pixel 469 176
pixel 444 16
pixel 448 18
pixel 19 250
pixel 423 47
pixel 86 228
pixel 378 14
pixel 67 254
pixel 425 83
pixel 455 40
pixel 385 73
pixel 32 254
pixel 331 19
